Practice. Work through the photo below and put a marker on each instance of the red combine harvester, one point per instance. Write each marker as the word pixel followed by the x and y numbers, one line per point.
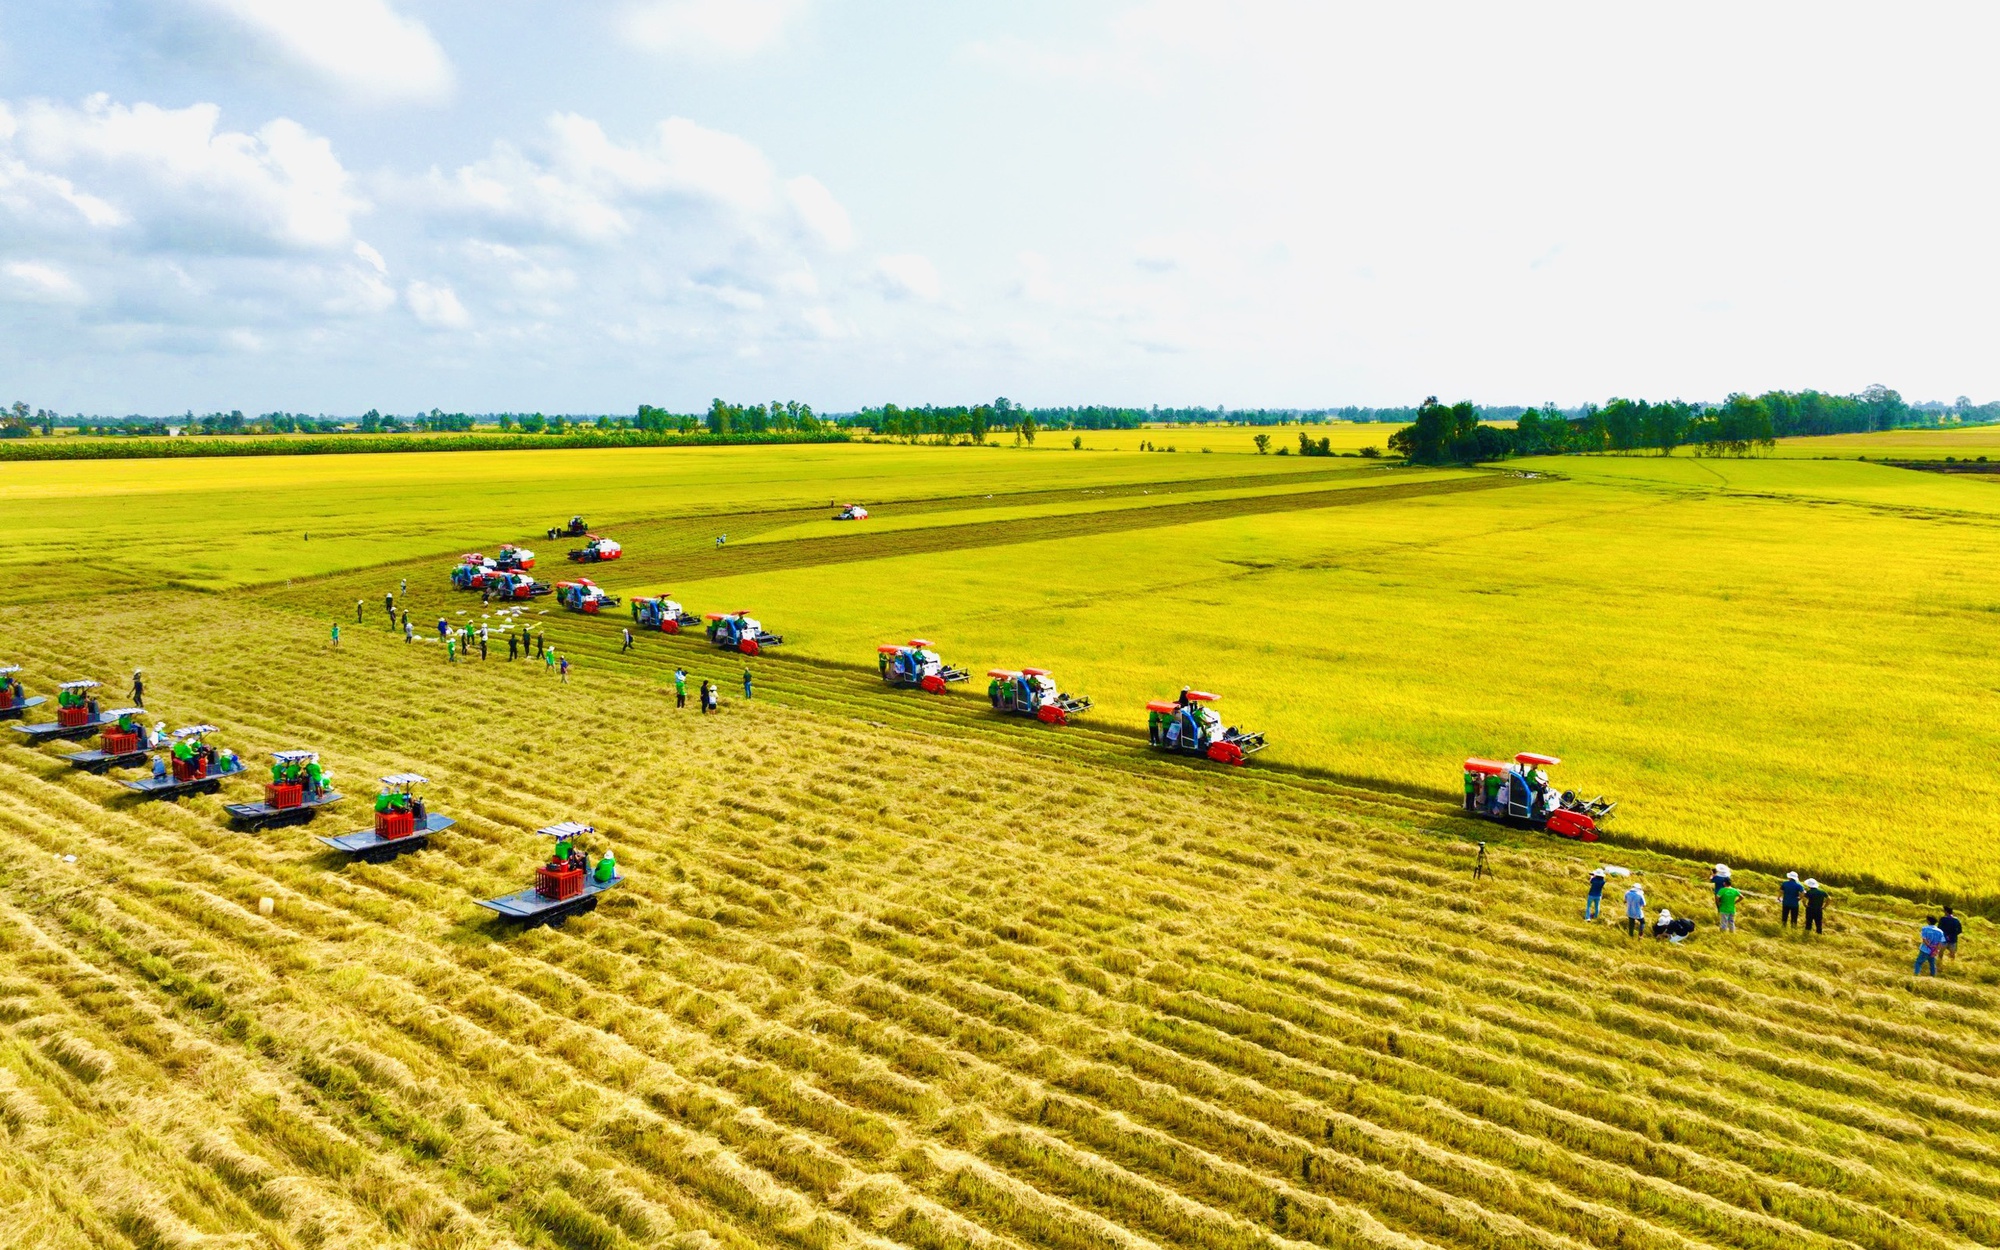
pixel 851 512
pixel 1519 794
pixel 402 823
pixel 514 586
pixel 14 701
pixel 1031 692
pixel 191 767
pixel 662 614
pixel 1188 726
pixel 597 549
pixel 513 559
pixel 473 571
pixel 916 666
pixel 566 884
pixel 77 715
pixel 124 743
pixel 739 631
pixel 585 596
pixel 297 790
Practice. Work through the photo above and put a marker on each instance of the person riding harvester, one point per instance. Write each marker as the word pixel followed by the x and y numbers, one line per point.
pixel 1032 692
pixel 124 742
pixel 1520 794
pixel 298 788
pixel 1188 726
pixel 916 665
pixel 584 595
pixel 13 699
pixel 739 631
pixel 190 766
pixel 77 714
pixel 566 883
pixel 663 614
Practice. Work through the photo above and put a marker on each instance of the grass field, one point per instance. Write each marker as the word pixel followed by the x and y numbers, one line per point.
pixel 891 971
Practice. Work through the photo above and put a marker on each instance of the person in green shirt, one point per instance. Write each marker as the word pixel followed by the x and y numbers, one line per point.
pixel 1726 899
pixel 607 868
pixel 1471 791
pixel 680 688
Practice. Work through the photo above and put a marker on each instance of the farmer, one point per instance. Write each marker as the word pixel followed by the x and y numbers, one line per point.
pixel 1930 941
pixel 404 588
pixel 138 687
pixel 1635 910
pixel 628 641
pixel 389 605
pixel 1789 893
pixel 541 644
pixel 565 669
pixel 444 627
pixel 1726 898
pixel 1721 877
pixel 1471 791
pixel 607 868
pixel 315 779
pixel 1952 927
pixel 746 681
pixel 1595 896
pixel 548 660
pixel 680 687
pixel 336 634
pixel 409 634
pixel 708 699
pixel 482 642
pixel 357 611
pixel 451 649
pixel 1815 897
pixel 513 646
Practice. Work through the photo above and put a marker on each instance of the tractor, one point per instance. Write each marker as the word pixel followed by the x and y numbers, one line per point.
pixel 1032 692
pixel 585 596
pixel 739 631
pixel 597 549
pixel 402 823
pixel 14 701
pixel 473 571
pixel 1519 794
pixel 914 664
pixel 77 715
pixel 662 614
pixel 191 767
pixel 1187 725
pixel 515 586
pixel 124 743
pixel 567 883
pixel 852 512
pixel 298 788
pixel 513 559
pixel 575 529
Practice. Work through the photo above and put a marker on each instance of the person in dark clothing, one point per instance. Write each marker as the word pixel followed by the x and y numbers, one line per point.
pixel 389 606
pixel 485 595
pixel 1815 897
pixel 444 627
pixel 357 611
pixel 1789 893
pixel 541 645
pixel 513 646
pixel 628 642
pixel 482 644
pixel 1952 927
pixel 138 688
pixel 746 683
pixel 1596 895
pixel 406 620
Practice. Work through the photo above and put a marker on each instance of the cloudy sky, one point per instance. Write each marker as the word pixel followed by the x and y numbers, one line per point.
pixel 329 205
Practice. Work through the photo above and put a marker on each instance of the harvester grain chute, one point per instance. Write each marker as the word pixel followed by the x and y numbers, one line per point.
pixel 402 823
pixel 575 529
pixel 597 549
pixel 191 766
pixel 1519 794
pixel 585 596
pixel 1189 726
pixel 124 742
pixel 77 715
pixel 298 788
pixel 15 701
pixel 567 883
pixel 916 666
pixel 1032 692
pixel 663 614
pixel 739 631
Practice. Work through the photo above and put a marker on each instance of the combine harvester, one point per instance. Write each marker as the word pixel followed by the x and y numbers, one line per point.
pixel 739 631
pixel 567 884
pixel 585 596
pixel 597 550
pixel 402 823
pixel 575 529
pixel 514 586
pixel 1188 726
pixel 663 614
pixel 295 793
pixel 852 512
pixel 1032 692
pixel 513 559
pixel 1519 794
pixel 125 743
pixel 76 715
pixel 915 666
pixel 14 701
pixel 191 767
pixel 473 571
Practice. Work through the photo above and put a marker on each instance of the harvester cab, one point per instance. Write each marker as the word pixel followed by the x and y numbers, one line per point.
pixel 739 631
pixel 852 512
pixel 663 614
pixel 402 822
pixel 298 788
pixel 1519 793
pixel 13 699
pixel 566 883
pixel 575 529
pixel 513 559
pixel 1032 692
pixel 1189 726
pixel 914 664
pixel 191 766
pixel 584 595
pixel 472 572
pixel 597 549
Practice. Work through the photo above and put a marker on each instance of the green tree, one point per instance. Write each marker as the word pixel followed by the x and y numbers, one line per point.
pixel 1263 442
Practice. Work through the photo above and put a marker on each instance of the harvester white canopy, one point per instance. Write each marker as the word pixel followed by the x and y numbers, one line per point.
pixel 126 711
pixel 9 669
pixel 567 829
pixel 85 684
pixel 193 731
pixel 295 757
pixel 404 779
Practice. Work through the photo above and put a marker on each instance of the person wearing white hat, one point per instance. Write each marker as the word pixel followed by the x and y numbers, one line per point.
pixel 1721 877
pixel 1789 891
pixel 1590 901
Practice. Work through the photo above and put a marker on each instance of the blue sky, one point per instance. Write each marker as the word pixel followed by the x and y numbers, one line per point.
pixel 329 205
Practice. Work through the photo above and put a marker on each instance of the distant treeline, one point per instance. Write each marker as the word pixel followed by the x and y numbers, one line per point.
pixel 1442 434
pixel 972 422
pixel 352 443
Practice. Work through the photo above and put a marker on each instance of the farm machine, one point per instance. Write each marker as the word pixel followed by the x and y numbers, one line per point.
pixel 1519 794
pixel 566 884
pixel 402 823
pixel 575 529
pixel 915 665
pixel 585 596
pixel 77 715
pixel 1189 726
pixel 1032 692
pixel 191 766
pixel 662 614
pixel 297 790
pixel 851 512
pixel 596 550
pixel 739 631
pixel 513 559
pixel 124 743
pixel 14 701
pixel 473 571
pixel 515 586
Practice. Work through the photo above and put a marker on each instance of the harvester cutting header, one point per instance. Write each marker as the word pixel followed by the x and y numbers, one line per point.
pixel 915 665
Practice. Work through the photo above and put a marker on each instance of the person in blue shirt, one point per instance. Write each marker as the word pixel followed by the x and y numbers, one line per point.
pixel 1595 896
pixel 1789 893
pixel 1932 938
pixel 1635 910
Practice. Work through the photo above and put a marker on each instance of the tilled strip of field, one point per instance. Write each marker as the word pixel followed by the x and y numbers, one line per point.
pixel 870 986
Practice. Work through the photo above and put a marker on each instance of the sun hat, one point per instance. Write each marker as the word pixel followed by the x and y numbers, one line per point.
pixel 1791 876
pixel 1810 883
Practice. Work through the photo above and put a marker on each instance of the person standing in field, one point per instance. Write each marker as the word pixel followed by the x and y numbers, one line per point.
pixel 746 681
pixel 1952 927
pixel 139 694
pixel 451 649
pixel 1635 911
pixel 409 634
pixel 444 627
pixel 541 644
pixel 564 664
pixel 548 661
pixel 1930 940
pixel 1720 878
pixel 680 687
pixel 1788 894
pixel 1815 897
pixel 482 642
pixel 404 588
pixel 513 647
pixel 1596 895
pixel 336 634
pixel 1471 791
pixel 1726 898
pixel 357 611
pixel 389 606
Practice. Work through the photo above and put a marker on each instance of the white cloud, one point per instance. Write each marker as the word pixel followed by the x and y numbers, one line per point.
pixel 436 305
pixel 372 257
pixel 362 46
pixel 908 276
pixel 730 28
pixel 38 281
pixel 821 213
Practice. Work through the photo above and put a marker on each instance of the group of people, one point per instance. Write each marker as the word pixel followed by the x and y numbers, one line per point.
pixel 194 760
pixel 1491 794
pixel 74 697
pixel 308 776
pixel 708 694
pixel 1728 898
pixel 568 854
